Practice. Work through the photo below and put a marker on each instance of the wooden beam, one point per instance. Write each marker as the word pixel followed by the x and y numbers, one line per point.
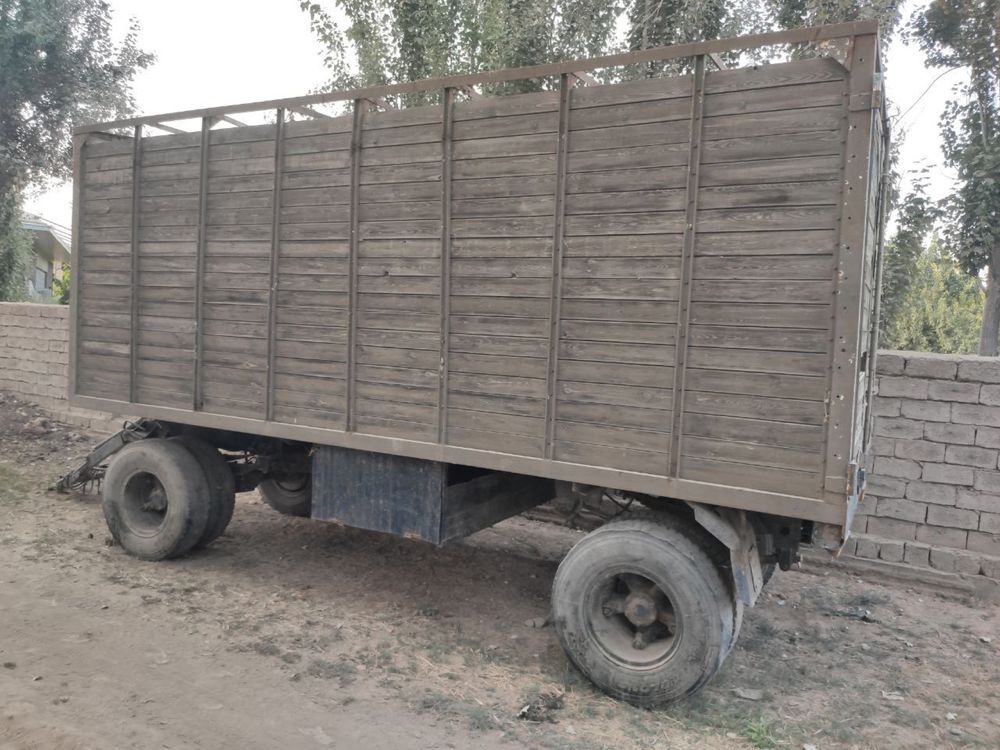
pixel 272 296
pixel 199 280
pixel 360 105
pixel 717 59
pixel 687 264
pixel 447 127
pixel 232 121
pixel 310 112
pixel 585 78
pixel 558 230
pixel 166 128
pixel 133 295
pixel 794 36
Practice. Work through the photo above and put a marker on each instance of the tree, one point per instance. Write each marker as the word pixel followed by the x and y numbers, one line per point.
pixel 966 34
pixel 942 309
pixel 58 68
pixel 915 219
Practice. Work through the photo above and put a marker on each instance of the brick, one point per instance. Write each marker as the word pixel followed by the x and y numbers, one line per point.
pixel 957 518
pixel 903 387
pixel 889 407
pixel 988 481
pixel 981 370
pixel 940 536
pixel 943 390
pixel 990 394
pixel 890 363
pixel 883 446
pixel 990 567
pixel 891 551
pixel 903 510
pixel 929 411
pixel 965 455
pixel 867 548
pixel 890 528
pixel 974 500
pixel 988 544
pixel 898 427
pixel 902 468
pixel 920 450
pixel 975 414
pixel 917 554
pixel 954 561
pixel 990 523
pixel 988 437
pixel 956 434
pixel 886 486
pixel 929 366
pixel 947 474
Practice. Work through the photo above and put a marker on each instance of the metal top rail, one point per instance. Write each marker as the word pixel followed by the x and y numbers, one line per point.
pixel 690 49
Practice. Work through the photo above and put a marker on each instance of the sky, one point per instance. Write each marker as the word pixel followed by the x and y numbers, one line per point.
pixel 215 52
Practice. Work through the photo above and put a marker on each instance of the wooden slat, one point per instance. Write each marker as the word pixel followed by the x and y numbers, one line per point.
pixel 275 261
pixel 199 296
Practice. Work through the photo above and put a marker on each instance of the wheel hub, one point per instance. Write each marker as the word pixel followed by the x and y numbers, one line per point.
pixel 641 609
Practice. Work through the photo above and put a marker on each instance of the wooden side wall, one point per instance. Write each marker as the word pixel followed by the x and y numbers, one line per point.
pixel 635 276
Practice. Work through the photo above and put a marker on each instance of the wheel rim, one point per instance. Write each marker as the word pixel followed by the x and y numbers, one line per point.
pixel 144 504
pixel 632 619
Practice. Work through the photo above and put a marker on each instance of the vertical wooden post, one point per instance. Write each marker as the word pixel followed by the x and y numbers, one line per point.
pixel 272 299
pixel 845 348
pixel 447 127
pixel 134 283
pixel 199 318
pixel 687 267
pixel 76 270
pixel 555 308
pixel 352 280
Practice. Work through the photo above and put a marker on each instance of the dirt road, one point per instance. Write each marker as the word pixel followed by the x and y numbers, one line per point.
pixel 296 634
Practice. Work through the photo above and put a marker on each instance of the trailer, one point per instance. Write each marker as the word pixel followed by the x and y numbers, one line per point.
pixel 421 308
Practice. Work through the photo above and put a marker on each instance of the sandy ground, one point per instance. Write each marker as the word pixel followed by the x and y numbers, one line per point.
pixel 298 634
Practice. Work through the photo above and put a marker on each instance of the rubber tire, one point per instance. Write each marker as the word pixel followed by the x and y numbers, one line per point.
pixel 221 483
pixel 186 488
pixel 658 548
pixel 289 503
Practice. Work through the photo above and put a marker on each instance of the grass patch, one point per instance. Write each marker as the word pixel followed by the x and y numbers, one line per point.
pixel 760 732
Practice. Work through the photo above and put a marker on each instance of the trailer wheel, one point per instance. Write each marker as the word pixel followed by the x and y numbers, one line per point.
pixel 289 495
pixel 643 611
pixel 155 499
pixel 222 500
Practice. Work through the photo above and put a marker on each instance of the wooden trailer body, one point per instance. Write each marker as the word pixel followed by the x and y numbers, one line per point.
pixel 665 286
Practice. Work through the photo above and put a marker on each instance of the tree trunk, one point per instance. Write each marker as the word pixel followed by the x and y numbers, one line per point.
pixel 990 331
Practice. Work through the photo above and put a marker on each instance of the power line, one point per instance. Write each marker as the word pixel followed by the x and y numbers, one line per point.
pixel 898 118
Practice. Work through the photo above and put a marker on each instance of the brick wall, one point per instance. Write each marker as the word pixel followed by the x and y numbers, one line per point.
pixel 933 498
pixel 934 492
pixel 34 361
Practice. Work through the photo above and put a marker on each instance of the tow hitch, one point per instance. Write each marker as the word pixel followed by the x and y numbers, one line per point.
pixel 92 469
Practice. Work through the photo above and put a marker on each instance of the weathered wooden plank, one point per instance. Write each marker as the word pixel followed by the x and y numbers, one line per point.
pixel 618 333
pixel 629 245
pixel 500 287
pixel 519 368
pixel 623 268
pixel 515 307
pixel 503 423
pixel 626 289
pixel 797 72
pixel 620 395
pixel 724 427
pixel 813 193
pixel 503 346
pixel 749 360
pixel 772 123
pixel 628 136
pixel 619 180
pixel 777 314
pixel 602 351
pixel 521 268
pixel 426 395
pixel 490 207
pixel 510 166
pixel 800 242
pixel 768 219
pixel 519 405
pixel 499 325
pixel 607 415
pixel 752 453
pixel 803 484
pixel 467 377
pixel 644 90
pixel 820 143
pixel 632 438
pixel 823 94
pixel 776 409
pixel 765 339
pixel 501 247
pixel 614 457
pixel 668 155
pixel 760 290
pixel 371 337
pixel 510 125
pixel 520 445
pixel 633 201
pixel 310 417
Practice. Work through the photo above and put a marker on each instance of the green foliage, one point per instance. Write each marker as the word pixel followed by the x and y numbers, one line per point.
pixel 61 286
pixel 58 68
pixel 966 34
pixel 941 310
pixel 15 250
pixel 916 215
pixel 386 41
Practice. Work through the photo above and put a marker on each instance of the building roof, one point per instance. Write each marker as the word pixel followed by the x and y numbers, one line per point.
pixel 51 241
